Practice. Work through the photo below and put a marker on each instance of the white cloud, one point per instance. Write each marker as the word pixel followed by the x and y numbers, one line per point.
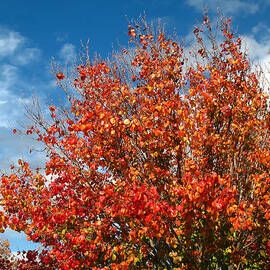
pixel 67 52
pixel 261 28
pixel 259 52
pixel 10 107
pixel 226 6
pixel 14 53
pixel 9 42
pixel 27 55
pixel 16 59
pixel 14 49
pixel 62 37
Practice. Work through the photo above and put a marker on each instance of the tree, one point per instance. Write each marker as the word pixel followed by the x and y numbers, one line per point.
pixel 8 261
pixel 4 248
pixel 154 164
pixel 5 254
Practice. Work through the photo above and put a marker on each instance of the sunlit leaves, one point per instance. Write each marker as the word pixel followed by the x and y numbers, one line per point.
pixel 155 164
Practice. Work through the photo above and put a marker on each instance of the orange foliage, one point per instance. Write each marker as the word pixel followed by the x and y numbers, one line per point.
pixel 156 164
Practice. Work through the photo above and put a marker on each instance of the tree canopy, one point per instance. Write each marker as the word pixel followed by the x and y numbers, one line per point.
pixel 160 160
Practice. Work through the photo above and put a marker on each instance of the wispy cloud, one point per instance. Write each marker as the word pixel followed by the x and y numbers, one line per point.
pixel 27 56
pixel 67 52
pixel 259 53
pixel 16 58
pixel 9 42
pixel 14 49
pixel 228 7
pixel 13 96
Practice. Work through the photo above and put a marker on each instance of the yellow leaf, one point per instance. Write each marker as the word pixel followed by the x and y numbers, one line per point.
pixel 126 121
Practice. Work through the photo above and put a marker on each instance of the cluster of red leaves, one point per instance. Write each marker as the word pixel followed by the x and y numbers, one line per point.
pixel 152 166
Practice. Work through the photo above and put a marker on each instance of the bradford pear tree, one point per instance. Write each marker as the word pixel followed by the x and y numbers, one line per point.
pixel 154 164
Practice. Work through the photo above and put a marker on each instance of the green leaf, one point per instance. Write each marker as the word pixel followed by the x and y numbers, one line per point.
pixel 262 252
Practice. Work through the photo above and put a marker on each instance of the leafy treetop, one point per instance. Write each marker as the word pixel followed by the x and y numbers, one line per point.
pixel 155 164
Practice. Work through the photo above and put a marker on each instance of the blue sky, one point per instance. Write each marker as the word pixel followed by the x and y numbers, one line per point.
pixel 32 32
